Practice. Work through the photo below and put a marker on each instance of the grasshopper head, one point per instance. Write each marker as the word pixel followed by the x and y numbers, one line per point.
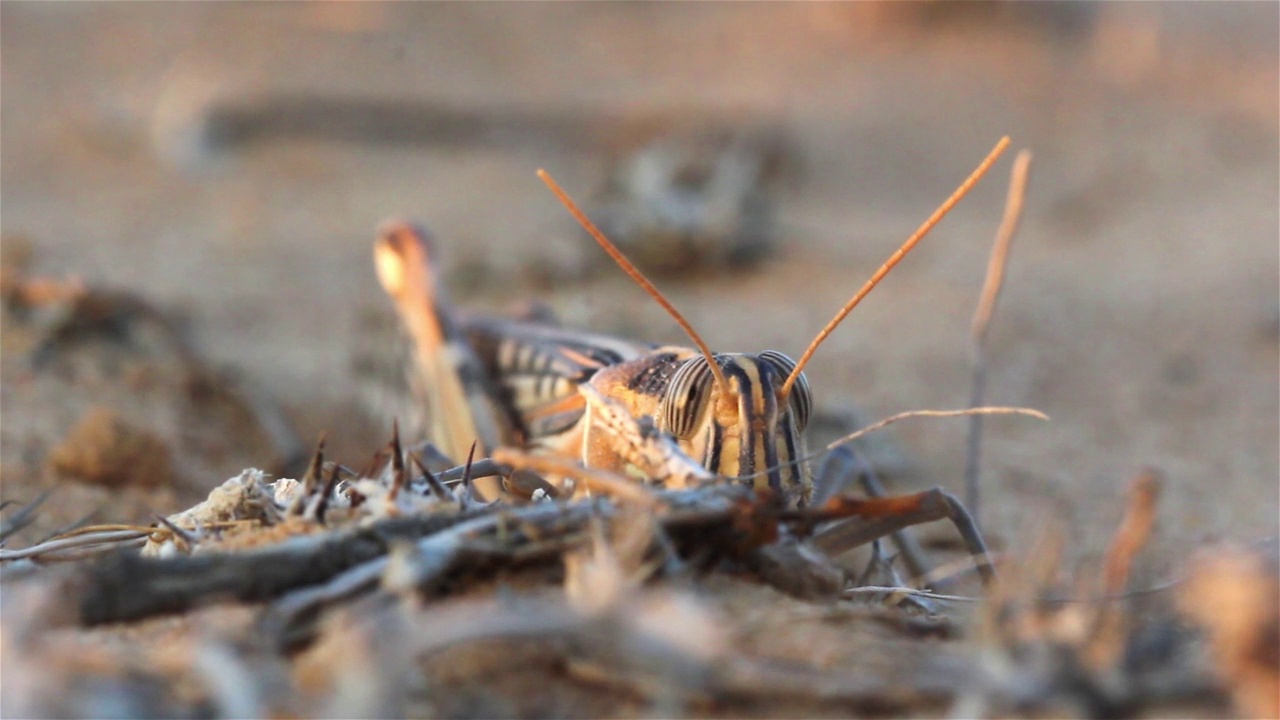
pixel 746 426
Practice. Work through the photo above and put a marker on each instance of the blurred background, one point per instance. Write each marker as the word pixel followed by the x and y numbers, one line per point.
pixel 227 163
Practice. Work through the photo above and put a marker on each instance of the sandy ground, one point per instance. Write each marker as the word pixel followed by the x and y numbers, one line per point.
pixel 1141 311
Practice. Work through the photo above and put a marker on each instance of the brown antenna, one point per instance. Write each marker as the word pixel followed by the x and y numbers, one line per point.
pixel 924 229
pixel 636 275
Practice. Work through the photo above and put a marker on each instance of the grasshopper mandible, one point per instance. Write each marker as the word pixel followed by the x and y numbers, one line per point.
pixel 491 382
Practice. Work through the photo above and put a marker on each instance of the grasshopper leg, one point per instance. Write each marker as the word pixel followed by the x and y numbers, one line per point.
pixel 447 372
pixel 872 518
pixel 838 472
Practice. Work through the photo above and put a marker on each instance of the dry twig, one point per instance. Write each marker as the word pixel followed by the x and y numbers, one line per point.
pixel 982 320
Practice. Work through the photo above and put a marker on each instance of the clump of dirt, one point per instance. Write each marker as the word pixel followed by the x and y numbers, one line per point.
pixel 106 402
pixel 104 449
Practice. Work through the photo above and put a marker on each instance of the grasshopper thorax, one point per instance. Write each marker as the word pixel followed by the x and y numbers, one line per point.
pixel 746 425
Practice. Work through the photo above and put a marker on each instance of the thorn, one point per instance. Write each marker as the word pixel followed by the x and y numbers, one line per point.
pixel 310 480
pixel 397 461
pixel 437 488
pixel 468 493
pixel 314 468
pixel 187 536
pixel 329 486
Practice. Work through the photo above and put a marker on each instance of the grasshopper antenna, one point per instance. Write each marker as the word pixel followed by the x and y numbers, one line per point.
pixel 894 259
pixel 636 275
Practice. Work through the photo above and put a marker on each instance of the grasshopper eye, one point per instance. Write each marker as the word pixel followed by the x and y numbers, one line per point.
pixel 686 397
pixel 801 398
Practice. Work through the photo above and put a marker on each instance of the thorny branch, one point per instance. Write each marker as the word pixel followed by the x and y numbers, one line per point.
pixel 126 586
pixel 306 572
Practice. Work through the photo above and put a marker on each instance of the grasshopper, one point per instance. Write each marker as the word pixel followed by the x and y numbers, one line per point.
pixel 607 402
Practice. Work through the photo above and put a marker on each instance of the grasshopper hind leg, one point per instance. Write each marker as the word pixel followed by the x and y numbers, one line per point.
pixel 844 467
pixel 445 374
pixel 880 515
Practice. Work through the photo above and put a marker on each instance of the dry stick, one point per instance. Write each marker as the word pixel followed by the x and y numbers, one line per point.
pixel 982 320
pixel 23 517
pixel 1109 627
pixel 874 590
pixel 713 678
pixel 1133 532
pixel 1110 624
pixel 108 538
pixel 89 551
pixel 484 467
pixel 100 538
pixel 436 555
pixel 145 529
pixel 129 587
